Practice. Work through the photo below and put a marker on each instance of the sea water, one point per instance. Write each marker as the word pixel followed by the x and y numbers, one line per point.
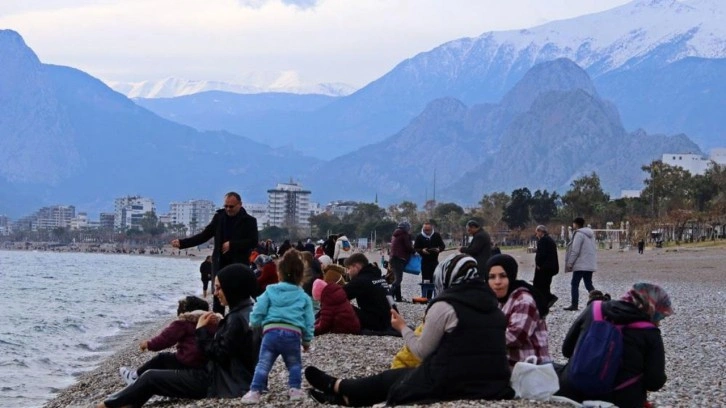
pixel 61 314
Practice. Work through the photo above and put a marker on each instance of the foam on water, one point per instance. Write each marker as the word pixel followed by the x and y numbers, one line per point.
pixel 60 310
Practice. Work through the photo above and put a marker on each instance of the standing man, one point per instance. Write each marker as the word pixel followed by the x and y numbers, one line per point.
pixel 401 251
pixel 205 269
pixel 581 259
pixel 428 244
pixel 546 264
pixel 480 247
pixel 235 236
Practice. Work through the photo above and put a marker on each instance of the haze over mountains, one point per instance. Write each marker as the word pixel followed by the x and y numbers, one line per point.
pixel 493 113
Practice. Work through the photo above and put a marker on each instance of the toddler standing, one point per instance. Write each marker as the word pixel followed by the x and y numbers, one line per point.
pixel 285 313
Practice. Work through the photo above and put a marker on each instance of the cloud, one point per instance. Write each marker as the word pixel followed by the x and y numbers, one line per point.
pixel 301 4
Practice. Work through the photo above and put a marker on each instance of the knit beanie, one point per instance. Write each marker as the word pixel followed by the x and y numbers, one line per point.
pixel 318 287
pixel 325 260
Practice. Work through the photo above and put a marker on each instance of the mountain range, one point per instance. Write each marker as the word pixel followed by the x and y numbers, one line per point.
pixel 483 119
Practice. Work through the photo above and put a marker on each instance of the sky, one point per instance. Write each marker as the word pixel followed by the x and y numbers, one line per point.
pixel 243 41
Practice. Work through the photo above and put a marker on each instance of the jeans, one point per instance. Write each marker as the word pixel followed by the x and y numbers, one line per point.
pixel 576 277
pixel 168 383
pixel 279 342
pixel 397 264
pixel 162 361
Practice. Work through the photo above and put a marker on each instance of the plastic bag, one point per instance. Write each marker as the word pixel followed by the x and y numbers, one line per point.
pixel 414 265
pixel 532 381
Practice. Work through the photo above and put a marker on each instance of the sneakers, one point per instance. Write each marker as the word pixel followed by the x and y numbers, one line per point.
pixel 295 394
pixel 252 397
pixel 128 375
pixel 571 308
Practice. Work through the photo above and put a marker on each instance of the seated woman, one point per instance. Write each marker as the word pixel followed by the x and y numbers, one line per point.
pixel 462 348
pixel 525 309
pixel 232 352
pixel 643 361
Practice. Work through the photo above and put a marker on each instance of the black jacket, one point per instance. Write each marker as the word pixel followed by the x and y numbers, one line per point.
pixel 430 260
pixel 546 256
pixel 370 290
pixel 471 361
pixel 643 354
pixel 232 353
pixel 244 239
pixel 480 248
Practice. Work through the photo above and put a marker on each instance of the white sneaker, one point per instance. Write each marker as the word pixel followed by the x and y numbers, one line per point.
pixel 128 375
pixel 252 397
pixel 295 394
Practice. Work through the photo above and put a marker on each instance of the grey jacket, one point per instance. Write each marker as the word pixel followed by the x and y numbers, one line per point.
pixel 581 251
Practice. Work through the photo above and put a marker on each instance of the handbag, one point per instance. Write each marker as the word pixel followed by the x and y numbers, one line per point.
pixel 414 265
pixel 534 382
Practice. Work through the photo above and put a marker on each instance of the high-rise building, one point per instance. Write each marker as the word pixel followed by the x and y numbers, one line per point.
pixel 5 225
pixel 130 210
pixel 259 211
pixel 106 221
pixel 194 214
pixel 288 206
pixel 55 216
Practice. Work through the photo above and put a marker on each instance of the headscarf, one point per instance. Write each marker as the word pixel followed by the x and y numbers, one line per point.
pixel 651 299
pixel 404 225
pixel 511 268
pixel 238 283
pixel 454 270
pixel 262 260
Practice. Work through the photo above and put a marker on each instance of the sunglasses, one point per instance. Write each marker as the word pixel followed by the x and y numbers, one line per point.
pixel 230 206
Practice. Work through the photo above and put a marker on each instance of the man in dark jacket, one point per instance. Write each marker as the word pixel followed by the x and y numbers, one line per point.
pixel 370 290
pixel 546 264
pixel 401 251
pixel 235 236
pixel 480 247
pixel 429 245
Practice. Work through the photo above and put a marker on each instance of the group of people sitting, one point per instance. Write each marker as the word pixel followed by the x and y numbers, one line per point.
pixel 481 323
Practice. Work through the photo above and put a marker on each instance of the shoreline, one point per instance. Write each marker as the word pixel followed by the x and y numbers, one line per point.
pixel 694 337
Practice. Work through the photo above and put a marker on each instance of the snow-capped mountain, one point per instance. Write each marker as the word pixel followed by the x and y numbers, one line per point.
pixel 286 81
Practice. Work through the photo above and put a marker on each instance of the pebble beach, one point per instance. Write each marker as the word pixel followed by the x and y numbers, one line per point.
pixel 694 337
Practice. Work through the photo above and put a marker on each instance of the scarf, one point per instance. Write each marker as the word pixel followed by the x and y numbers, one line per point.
pixel 428 236
pixel 651 299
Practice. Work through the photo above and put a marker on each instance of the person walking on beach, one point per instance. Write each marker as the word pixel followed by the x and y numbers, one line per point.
pixel 480 247
pixel 205 269
pixel 581 259
pixel 546 264
pixel 235 236
pixel 401 251
pixel 429 245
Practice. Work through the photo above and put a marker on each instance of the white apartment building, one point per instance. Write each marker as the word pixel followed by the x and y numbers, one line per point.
pixel 79 221
pixel 341 208
pixel 258 211
pixel 288 206
pixel 130 210
pixel 194 214
pixel 55 216
pixel 692 163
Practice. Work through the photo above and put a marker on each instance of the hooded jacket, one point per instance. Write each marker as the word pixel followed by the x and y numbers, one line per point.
pixel 340 252
pixel 401 245
pixel 643 354
pixel 181 332
pixel 370 291
pixel 284 305
pixel 582 251
pixel 336 312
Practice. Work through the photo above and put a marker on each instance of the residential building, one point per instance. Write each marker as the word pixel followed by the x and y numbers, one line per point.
pixel 258 211
pixel 106 221
pixel 630 193
pixel 80 221
pixel 695 164
pixel 341 208
pixel 5 225
pixel 288 206
pixel 130 210
pixel 55 216
pixel 194 214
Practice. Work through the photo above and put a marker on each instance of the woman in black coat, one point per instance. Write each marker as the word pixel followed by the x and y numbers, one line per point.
pixel 232 352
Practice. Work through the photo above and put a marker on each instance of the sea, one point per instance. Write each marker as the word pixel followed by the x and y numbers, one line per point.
pixel 61 314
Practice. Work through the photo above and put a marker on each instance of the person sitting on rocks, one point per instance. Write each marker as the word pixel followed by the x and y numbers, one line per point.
pixel 232 351
pixel 268 272
pixel 643 364
pixel 525 309
pixel 336 313
pixel 462 349
pixel 370 291
pixel 180 333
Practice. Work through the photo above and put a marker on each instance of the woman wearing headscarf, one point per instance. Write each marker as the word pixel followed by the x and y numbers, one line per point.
pixel 643 362
pixel 462 348
pixel 232 351
pixel 525 309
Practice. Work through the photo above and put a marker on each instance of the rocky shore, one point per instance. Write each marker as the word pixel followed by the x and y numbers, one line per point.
pixel 694 337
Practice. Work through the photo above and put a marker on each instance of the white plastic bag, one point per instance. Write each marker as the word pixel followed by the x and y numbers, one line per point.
pixel 532 381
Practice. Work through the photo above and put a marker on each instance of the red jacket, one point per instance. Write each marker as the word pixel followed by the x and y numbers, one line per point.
pixel 181 332
pixel 336 312
pixel 268 276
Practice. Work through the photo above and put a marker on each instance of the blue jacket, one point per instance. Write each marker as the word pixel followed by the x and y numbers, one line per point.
pixel 287 305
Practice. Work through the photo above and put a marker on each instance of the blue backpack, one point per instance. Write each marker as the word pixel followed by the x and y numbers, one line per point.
pixel 346 245
pixel 598 353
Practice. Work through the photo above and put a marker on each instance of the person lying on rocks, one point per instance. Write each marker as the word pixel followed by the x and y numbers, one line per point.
pixel 180 333
pixel 525 309
pixel 232 351
pixel 642 367
pixel 462 349
pixel 370 290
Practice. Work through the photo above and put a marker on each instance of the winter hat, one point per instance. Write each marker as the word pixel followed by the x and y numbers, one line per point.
pixel 651 299
pixel 511 268
pixel 318 287
pixel 238 283
pixel 454 270
pixel 325 260
pixel 334 274
pixel 405 225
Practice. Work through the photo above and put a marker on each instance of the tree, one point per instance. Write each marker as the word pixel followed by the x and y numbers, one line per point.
pixel 516 214
pixel 585 197
pixel 543 206
pixel 491 207
pixel 444 209
pixel 365 212
pixel 274 233
pixel 668 187
pixel 324 222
